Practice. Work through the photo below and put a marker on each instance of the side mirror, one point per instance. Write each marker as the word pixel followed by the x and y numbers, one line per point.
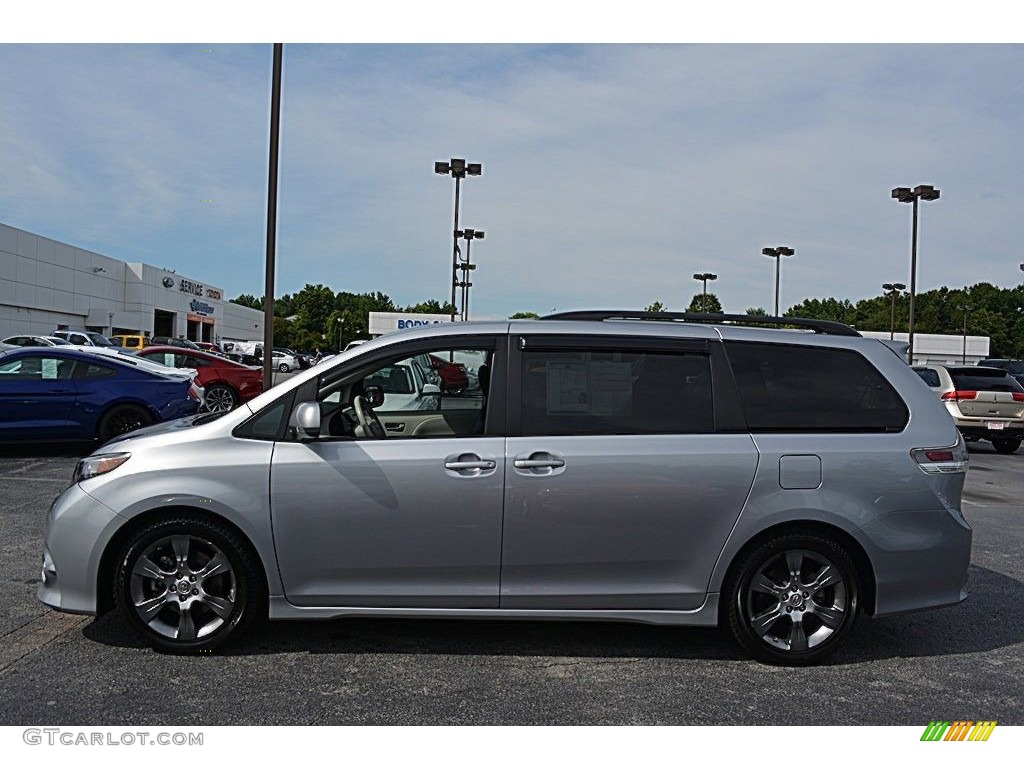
pixel 431 389
pixel 306 420
pixel 374 396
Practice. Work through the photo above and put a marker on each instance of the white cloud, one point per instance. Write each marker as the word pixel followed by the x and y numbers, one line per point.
pixel 611 173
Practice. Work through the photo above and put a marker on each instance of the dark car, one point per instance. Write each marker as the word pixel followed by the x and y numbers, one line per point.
pixel 227 383
pixel 1014 367
pixel 170 341
pixel 54 393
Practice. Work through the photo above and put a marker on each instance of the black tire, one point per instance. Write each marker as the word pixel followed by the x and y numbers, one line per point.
pixel 220 397
pixel 153 584
pixel 1006 444
pixel 779 624
pixel 122 419
pixel 283 368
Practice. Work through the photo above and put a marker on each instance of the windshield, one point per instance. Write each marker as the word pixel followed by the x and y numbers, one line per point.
pixel 100 340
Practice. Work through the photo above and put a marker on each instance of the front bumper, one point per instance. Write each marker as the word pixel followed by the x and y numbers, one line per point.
pixel 77 530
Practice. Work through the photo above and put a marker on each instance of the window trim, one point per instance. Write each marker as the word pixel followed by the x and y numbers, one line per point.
pixel 496 415
pixel 824 429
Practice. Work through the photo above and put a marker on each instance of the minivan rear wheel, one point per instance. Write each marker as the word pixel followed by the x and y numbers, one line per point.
pixel 187 584
pixel 793 599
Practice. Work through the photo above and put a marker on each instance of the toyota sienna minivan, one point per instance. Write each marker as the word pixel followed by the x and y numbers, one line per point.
pixel 774 476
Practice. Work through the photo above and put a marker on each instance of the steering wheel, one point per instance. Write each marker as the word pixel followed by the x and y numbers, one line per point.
pixel 368 421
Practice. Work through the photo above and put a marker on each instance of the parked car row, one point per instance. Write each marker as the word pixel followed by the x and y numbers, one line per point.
pixel 52 389
pixel 68 393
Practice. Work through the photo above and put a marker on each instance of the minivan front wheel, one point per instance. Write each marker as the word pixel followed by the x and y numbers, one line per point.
pixel 793 599
pixel 187 584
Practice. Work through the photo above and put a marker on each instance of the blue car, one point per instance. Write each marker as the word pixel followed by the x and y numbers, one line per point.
pixel 55 393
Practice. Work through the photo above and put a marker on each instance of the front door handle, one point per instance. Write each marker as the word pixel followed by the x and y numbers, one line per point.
pixel 482 464
pixel 469 465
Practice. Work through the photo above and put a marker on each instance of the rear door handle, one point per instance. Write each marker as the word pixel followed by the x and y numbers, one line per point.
pixel 394 426
pixel 538 463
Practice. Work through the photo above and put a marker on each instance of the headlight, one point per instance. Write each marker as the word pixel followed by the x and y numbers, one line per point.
pixel 100 464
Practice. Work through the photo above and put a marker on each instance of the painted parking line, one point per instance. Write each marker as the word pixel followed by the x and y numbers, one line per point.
pixel 39 632
pixel 20 479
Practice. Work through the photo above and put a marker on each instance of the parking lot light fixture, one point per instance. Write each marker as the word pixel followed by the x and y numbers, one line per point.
pixel 458 169
pixel 704 277
pixel 469 235
pixel 966 309
pixel 908 195
pixel 892 291
pixel 777 253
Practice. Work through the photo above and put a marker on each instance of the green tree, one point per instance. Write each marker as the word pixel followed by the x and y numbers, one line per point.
pixel 656 306
pixel 524 316
pixel 700 303
pixel 759 311
pixel 248 300
pixel 430 307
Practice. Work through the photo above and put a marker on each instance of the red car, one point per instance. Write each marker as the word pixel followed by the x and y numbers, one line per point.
pixel 453 375
pixel 227 383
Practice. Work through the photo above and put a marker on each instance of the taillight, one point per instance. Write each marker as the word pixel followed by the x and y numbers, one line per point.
pixel 948 460
pixel 963 394
pixel 1018 396
pixel 192 392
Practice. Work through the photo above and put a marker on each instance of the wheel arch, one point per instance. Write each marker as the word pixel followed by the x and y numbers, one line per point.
pixel 865 571
pixel 107 570
pixel 120 402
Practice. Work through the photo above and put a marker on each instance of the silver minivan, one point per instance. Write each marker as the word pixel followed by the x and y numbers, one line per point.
pixel 613 466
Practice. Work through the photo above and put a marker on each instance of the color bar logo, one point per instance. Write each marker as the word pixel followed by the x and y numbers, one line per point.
pixel 958 730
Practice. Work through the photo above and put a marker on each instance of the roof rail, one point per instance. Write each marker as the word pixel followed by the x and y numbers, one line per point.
pixel 829 327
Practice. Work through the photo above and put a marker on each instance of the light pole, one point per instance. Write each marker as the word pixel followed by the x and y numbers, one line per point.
pixel 892 290
pixel 777 253
pixel 704 277
pixel 458 169
pixel 341 327
pixel 966 309
pixel 908 195
pixel 469 235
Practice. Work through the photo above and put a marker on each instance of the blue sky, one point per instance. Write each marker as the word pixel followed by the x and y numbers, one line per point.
pixel 612 173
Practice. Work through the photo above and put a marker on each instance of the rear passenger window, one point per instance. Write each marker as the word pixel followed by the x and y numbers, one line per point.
pixel 93 371
pixel 929 376
pixel 605 392
pixel 790 388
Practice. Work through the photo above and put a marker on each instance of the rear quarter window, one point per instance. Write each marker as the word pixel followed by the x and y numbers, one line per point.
pixel 793 388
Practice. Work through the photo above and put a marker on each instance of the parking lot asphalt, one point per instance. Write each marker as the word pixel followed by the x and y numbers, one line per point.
pixel 954 663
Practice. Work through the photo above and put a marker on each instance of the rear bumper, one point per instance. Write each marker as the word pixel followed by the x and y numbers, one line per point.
pixel 979 432
pixel 921 559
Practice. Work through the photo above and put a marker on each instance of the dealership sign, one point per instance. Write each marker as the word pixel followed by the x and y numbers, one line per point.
pixel 201 307
pixel 385 322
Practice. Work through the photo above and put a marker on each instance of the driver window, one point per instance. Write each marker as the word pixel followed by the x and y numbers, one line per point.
pixel 437 393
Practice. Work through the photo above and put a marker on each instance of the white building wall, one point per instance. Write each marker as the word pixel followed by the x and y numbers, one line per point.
pixel 45 284
pixel 940 349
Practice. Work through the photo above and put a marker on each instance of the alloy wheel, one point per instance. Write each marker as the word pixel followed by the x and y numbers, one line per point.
pixel 183 587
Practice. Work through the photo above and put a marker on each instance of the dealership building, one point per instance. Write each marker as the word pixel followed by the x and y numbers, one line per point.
pixel 46 285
